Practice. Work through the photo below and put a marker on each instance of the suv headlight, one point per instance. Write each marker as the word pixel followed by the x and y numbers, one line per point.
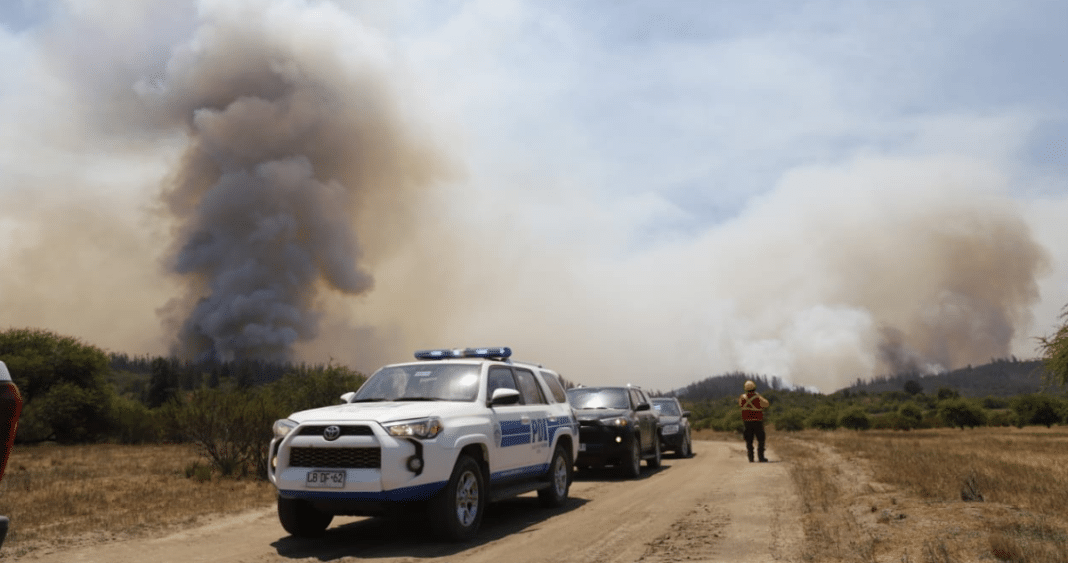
pixel 424 428
pixel 620 421
pixel 671 429
pixel 283 427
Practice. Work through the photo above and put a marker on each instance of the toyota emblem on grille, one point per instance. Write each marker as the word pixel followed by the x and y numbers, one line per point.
pixel 331 433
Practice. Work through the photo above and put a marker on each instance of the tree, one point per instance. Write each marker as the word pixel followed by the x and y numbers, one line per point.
pixel 66 396
pixel 945 393
pixel 164 382
pixel 961 412
pixel 912 387
pixel 1055 351
pixel 1037 409
pixel 855 419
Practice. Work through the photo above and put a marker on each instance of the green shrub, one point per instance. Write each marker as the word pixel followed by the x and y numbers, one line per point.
pixel 823 418
pixel 792 420
pixel 961 412
pixel 910 416
pixel 1037 409
pixel 855 418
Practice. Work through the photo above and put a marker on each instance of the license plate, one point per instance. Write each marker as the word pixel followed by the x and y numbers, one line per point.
pixel 326 479
pixel 582 447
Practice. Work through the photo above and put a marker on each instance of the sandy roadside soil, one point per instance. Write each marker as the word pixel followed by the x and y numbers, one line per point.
pixel 713 507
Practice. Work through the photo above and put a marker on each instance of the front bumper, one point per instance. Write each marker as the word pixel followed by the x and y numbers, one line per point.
pixel 377 467
pixel 601 446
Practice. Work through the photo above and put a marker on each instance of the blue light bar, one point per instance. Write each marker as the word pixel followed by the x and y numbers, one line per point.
pixel 437 354
pixel 500 352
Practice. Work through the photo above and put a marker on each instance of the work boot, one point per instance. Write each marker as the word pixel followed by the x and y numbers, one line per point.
pixel 760 456
pixel 749 451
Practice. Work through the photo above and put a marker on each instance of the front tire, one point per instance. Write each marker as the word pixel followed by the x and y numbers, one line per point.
pixel 632 467
pixel 559 477
pixel 301 519
pixel 456 513
pixel 686 450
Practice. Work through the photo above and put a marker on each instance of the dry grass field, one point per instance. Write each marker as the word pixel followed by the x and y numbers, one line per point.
pixel 932 496
pixel 62 495
pixel 865 496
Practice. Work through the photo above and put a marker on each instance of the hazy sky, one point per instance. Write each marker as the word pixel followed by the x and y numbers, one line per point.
pixel 627 192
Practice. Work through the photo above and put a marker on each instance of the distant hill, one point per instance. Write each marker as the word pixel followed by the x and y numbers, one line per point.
pixel 999 378
pixel 728 385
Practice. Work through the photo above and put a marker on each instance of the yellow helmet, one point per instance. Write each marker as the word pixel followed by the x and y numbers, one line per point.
pixel 750 386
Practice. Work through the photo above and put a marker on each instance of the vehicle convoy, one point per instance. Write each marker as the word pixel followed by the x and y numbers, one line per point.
pixel 10 408
pixel 617 427
pixel 674 426
pixel 445 434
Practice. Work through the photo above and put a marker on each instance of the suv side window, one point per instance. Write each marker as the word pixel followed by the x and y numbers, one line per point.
pixel 528 386
pixel 636 398
pixel 555 387
pixel 499 378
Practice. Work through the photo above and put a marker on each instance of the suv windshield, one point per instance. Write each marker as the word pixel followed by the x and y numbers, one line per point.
pixel 422 382
pixel 670 408
pixel 593 398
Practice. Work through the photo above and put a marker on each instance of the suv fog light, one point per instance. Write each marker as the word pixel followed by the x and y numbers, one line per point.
pixel 619 439
pixel 415 464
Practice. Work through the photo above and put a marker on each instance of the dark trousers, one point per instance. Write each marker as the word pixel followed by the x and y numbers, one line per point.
pixel 754 429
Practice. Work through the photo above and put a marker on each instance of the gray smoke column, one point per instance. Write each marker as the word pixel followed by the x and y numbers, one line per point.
pixel 292 127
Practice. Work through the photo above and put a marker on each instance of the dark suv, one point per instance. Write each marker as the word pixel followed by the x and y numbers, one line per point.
pixel 617 427
pixel 674 426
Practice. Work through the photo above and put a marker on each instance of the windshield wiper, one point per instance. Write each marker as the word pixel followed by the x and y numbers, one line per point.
pixel 419 399
pixel 370 400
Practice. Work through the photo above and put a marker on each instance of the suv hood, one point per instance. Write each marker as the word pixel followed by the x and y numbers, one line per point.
pixel 382 412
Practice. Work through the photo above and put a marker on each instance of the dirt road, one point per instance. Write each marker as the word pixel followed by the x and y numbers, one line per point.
pixel 713 507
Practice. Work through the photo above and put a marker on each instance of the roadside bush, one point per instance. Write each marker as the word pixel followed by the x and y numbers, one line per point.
pixel 1001 418
pixel 1037 409
pixel 134 423
pixel 231 428
pixel 855 418
pixel 823 418
pixel 731 422
pixel 961 412
pixel 792 420
pixel 909 416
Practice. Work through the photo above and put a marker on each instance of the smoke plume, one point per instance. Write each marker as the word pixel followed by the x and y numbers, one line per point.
pixel 291 128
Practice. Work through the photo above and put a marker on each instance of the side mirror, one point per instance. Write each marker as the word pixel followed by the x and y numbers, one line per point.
pixel 504 396
pixel 685 414
pixel 642 407
pixel 347 397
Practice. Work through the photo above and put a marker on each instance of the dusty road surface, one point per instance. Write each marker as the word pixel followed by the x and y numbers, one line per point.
pixel 713 507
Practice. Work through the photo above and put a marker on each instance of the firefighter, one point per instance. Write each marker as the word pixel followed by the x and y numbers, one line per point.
pixel 753 406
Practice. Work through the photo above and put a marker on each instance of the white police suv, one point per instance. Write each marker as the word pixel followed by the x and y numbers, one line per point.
pixel 445 434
